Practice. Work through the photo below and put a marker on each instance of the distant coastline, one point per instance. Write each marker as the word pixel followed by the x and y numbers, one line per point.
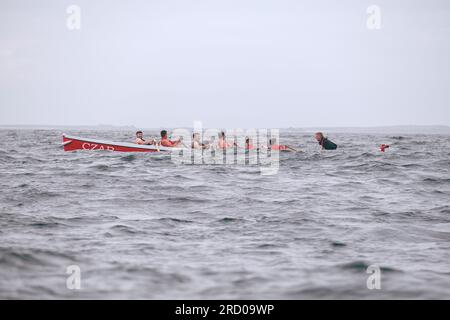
pixel 400 129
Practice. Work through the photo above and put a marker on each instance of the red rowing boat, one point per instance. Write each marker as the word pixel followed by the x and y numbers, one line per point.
pixel 72 143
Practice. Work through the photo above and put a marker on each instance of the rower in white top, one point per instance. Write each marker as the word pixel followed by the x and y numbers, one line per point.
pixel 140 139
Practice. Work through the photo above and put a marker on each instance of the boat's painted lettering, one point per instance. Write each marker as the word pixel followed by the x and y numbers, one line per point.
pixel 93 146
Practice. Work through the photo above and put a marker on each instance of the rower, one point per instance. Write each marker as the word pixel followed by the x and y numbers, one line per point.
pixel 223 144
pixel 196 143
pixel 281 147
pixel 249 144
pixel 140 139
pixel 168 143
pixel 324 142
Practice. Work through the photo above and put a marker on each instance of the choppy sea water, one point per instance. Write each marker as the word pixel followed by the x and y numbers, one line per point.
pixel 141 227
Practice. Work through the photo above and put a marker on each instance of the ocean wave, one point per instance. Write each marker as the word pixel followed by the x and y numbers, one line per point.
pixel 128 158
pixel 29 258
pixel 436 180
pixel 168 219
pixel 231 220
pixel 363 266
pixel 123 229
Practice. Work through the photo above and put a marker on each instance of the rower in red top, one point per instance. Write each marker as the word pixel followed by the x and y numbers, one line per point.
pixel 168 143
pixel 140 139
pixel 281 147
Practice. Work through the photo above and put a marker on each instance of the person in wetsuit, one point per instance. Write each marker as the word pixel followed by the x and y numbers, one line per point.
pixel 324 142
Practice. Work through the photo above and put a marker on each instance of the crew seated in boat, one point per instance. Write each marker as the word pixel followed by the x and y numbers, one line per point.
pixel 140 139
pixel 222 143
pixel 281 147
pixel 324 142
pixel 196 143
pixel 168 143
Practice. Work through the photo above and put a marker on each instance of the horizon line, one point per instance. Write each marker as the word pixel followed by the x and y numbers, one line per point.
pixel 284 127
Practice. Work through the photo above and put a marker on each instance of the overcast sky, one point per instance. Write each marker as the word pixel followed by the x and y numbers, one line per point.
pixel 228 63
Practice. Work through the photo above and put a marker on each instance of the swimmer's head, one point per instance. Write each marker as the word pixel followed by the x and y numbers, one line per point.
pixel 319 136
